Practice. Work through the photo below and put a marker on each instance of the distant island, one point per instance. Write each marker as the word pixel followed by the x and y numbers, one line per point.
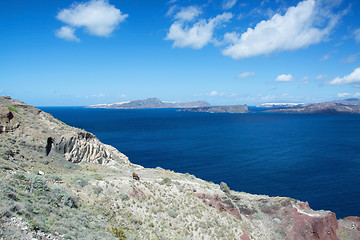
pixel 319 108
pixel 150 103
pixel 279 105
pixel 218 109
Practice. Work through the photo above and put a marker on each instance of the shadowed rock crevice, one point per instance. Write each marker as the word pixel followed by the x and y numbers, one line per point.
pixel 49 144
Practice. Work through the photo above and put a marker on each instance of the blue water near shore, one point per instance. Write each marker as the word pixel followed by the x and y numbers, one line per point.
pixel 314 158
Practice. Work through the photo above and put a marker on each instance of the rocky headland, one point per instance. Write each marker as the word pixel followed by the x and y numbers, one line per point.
pixel 150 103
pixel 218 109
pixel 319 108
pixel 60 182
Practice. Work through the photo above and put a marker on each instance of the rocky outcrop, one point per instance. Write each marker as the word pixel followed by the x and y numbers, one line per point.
pixel 219 109
pixel 39 131
pixel 86 147
pixel 8 123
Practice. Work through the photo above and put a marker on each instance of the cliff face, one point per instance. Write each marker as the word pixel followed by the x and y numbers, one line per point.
pixel 38 130
pixel 59 182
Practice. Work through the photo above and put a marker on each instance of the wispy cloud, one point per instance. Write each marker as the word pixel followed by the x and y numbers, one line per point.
pixel 357 35
pixel 198 35
pixel 350 59
pixel 228 4
pixel 284 78
pixel 67 33
pixel 188 13
pixel 245 75
pixel 352 78
pixel 98 95
pixel 344 95
pixel 305 80
pixel 321 76
pixel 297 28
pixel 325 57
pixel 98 17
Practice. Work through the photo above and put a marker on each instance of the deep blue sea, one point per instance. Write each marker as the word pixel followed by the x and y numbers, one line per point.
pixel 314 158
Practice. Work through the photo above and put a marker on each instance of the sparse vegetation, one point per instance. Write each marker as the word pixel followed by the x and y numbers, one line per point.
pixel 12 109
pixel 118 233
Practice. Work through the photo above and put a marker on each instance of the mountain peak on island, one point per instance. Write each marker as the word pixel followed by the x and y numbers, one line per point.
pixel 149 103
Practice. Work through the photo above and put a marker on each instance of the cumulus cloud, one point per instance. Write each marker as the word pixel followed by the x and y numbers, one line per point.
pixel 284 78
pixel 227 4
pixel 67 33
pixel 298 28
pixel 98 17
pixel 343 95
pixel 188 14
pixel 245 75
pixel 198 35
pixel 352 78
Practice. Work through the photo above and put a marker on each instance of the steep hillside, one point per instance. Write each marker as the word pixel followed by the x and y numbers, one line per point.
pixel 60 182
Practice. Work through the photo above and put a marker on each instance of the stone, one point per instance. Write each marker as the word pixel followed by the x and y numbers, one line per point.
pixel 224 187
pixel 172 213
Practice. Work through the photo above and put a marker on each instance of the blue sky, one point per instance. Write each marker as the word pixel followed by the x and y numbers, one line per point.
pixel 63 53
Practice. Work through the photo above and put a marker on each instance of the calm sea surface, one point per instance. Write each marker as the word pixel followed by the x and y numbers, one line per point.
pixel 314 158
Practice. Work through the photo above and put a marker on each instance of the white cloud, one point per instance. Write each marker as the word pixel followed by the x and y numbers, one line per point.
pixel 198 35
pixel 321 76
pixel 298 28
pixel 357 94
pixel 343 95
pixel 67 33
pixel 353 77
pixel 188 14
pixel 227 4
pixel 357 35
pixel 284 78
pixel 245 75
pixel 98 17
pixel 122 95
pixel 213 93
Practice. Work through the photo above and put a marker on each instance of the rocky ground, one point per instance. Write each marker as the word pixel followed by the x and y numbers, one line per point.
pixel 59 182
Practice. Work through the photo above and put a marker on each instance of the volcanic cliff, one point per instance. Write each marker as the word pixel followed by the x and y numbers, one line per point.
pixel 60 182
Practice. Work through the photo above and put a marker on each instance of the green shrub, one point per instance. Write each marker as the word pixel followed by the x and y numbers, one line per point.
pixel 166 181
pixel 118 233
pixel 12 109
